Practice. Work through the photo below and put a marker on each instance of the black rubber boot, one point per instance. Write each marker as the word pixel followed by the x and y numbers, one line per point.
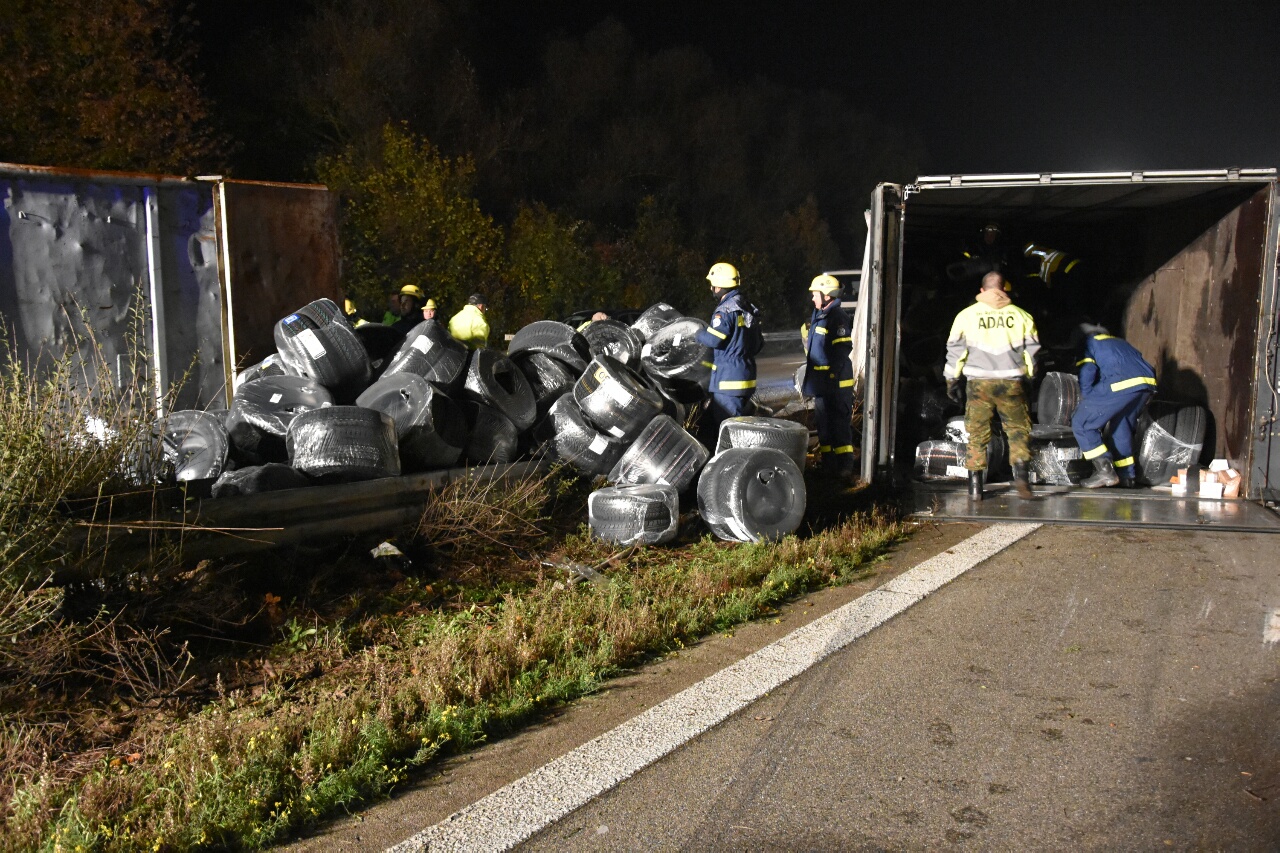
pixel 1127 481
pixel 1022 480
pixel 1104 474
pixel 975 485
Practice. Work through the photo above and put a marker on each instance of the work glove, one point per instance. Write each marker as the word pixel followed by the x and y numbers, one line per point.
pixel 955 390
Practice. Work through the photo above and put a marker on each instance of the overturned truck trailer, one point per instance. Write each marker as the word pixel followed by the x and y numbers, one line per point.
pixel 1182 264
pixel 201 268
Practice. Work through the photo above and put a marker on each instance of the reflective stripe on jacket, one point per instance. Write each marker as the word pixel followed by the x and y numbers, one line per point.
pixel 470 327
pixel 1113 366
pixel 992 339
pixel 730 337
pixel 827 347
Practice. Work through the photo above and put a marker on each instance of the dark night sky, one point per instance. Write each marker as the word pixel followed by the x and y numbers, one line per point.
pixel 998 86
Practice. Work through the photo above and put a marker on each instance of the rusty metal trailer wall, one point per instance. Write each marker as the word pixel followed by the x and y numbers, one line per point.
pixel 1196 320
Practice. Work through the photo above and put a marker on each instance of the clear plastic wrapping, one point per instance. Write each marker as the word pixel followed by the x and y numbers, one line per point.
pixel 262 409
pixel 614 400
pixel 317 341
pixel 271 477
pixel 664 453
pixel 195 443
pixel 430 352
pixel 566 435
pixel 1051 462
pixel 272 365
pixel 646 514
pixel 614 339
pixel 1058 398
pixel 431 427
pixel 654 318
pixel 1172 438
pixel 494 379
pixel 548 377
pixel 673 352
pixel 752 431
pixel 555 339
pixel 940 460
pixel 751 494
pixel 493 439
pixel 343 443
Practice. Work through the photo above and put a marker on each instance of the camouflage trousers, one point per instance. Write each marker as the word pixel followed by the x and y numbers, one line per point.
pixel 985 398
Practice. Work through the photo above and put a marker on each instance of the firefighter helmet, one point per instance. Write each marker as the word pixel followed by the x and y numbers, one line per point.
pixel 826 284
pixel 724 276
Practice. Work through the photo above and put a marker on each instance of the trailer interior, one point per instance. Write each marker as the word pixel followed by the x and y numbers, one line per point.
pixel 1183 267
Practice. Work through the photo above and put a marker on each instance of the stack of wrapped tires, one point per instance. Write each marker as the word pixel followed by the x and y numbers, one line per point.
pixel 337 403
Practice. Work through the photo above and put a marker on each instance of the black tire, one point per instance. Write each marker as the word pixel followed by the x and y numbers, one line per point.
pixel 493 439
pixel 553 338
pixel 1051 462
pixel 1052 432
pixel 380 343
pixel 549 377
pixel 751 494
pixel 614 339
pixel 1172 437
pixel 262 410
pixel 673 352
pixel 431 352
pixel 664 453
pixel 343 444
pixel 272 365
pixel 788 436
pixel 195 443
pixel 627 515
pixel 494 379
pixel 272 477
pixel 431 428
pixel 654 318
pixel 317 341
pixel 565 434
pixel 615 400
pixel 939 460
pixel 1059 396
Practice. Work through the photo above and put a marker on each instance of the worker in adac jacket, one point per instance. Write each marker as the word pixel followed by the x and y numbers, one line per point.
pixel 1115 383
pixel 990 359
pixel 734 338
pixel 828 375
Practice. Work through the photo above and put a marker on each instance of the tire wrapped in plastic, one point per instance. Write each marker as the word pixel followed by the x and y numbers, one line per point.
pixel 317 341
pixel 998 468
pixel 654 318
pixel 432 353
pixel 253 479
pixel 272 365
pixel 614 339
pixel 343 444
pixel 1172 438
pixel 615 400
pixel 554 338
pixel 749 431
pixel 1051 462
pixel 646 514
pixel 939 460
pixel 664 453
pixel 262 410
pixel 431 427
pixel 565 434
pixel 493 438
pixel 751 494
pixel 673 352
pixel 380 343
pixel 494 379
pixel 195 443
pixel 1058 398
pixel 548 377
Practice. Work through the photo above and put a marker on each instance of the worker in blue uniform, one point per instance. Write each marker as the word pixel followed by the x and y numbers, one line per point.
pixel 828 375
pixel 734 338
pixel 1115 384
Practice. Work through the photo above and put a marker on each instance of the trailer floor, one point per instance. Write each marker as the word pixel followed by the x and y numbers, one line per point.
pixel 1106 507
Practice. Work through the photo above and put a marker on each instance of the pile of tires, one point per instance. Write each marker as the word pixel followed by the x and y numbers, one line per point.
pixel 753 431
pixel 343 444
pixel 430 352
pixel 613 339
pixel 317 341
pixel 565 434
pixel 430 427
pixel 1051 463
pixel 751 494
pixel 674 353
pixel 646 514
pixel 1171 436
pixel 939 460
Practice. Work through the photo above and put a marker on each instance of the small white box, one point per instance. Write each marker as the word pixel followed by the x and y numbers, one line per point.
pixel 1219 465
pixel 1211 490
pixel 1178 488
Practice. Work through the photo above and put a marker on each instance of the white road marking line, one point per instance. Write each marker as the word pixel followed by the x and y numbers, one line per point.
pixel 535 801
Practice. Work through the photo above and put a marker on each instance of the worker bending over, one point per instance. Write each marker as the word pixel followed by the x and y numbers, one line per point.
pixel 1115 384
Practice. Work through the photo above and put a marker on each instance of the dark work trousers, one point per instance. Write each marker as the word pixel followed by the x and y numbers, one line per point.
pixel 1121 411
pixel 834 414
pixel 721 407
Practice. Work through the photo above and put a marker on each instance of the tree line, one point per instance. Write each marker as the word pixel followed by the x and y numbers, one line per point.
pixel 606 176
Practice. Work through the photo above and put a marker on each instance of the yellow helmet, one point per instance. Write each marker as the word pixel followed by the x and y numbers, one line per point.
pixel 724 275
pixel 826 284
pixel 412 290
pixel 431 303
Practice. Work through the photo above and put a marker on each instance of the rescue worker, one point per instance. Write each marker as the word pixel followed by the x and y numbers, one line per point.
pixel 469 325
pixel 429 311
pixel 1115 384
pixel 828 375
pixel 410 312
pixel 987 254
pixel 990 360
pixel 734 338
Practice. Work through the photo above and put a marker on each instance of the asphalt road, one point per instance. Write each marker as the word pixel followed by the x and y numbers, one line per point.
pixel 1084 689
